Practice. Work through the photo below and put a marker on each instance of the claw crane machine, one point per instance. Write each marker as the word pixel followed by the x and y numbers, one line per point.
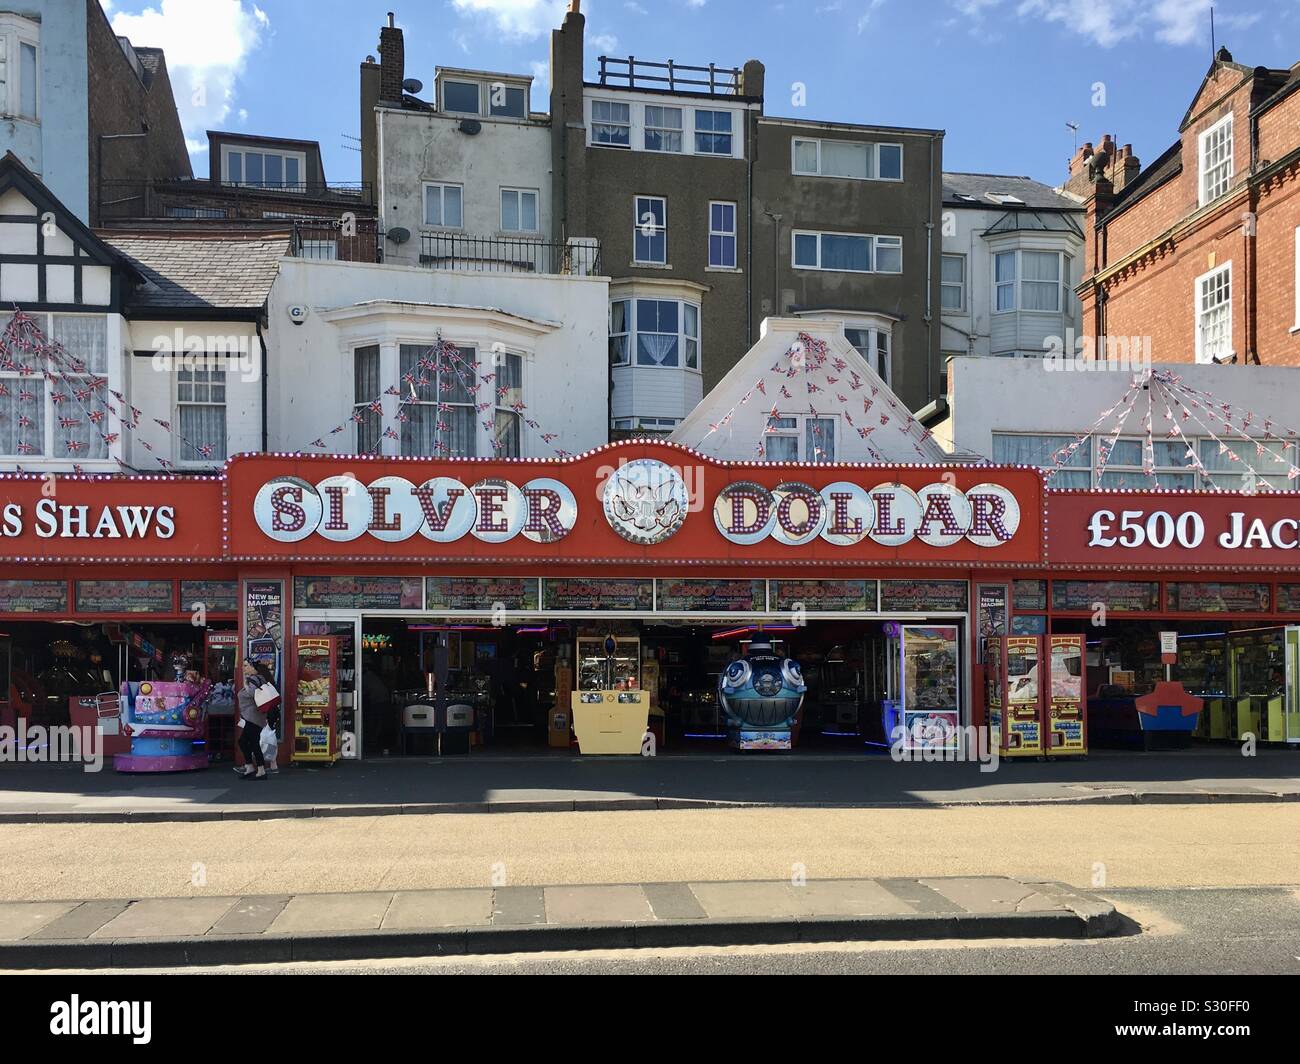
pixel 611 712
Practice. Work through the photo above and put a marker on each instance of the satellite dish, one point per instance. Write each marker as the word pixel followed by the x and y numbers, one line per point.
pixel 470 127
pixel 413 85
pixel 399 235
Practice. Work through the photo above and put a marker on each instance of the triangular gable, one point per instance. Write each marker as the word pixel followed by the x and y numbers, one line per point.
pixel 730 422
pixel 1196 107
pixel 14 175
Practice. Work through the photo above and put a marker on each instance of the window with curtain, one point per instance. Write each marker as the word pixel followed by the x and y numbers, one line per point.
pixel 658 332
pixel 781 441
pixel 201 410
pixel 441 422
pixel 620 330
pixel 1232 476
pixel 442 206
pixel 819 439
pixel 1040 451
pixel 611 124
pixel 365 390
pixel 848 252
pixel 1004 281
pixel 1214 315
pixel 1171 468
pixel 85 338
pixel 713 133
pixel 1040 283
pixel 663 128
pixel 519 210
pixel 509 384
pixel 874 345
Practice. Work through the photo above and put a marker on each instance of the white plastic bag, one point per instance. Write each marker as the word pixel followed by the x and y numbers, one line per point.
pixel 270 746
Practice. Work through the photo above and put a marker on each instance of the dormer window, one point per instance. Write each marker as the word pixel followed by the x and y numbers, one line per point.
pixel 1216 160
pixel 461 97
pixel 276 170
pixel 482 95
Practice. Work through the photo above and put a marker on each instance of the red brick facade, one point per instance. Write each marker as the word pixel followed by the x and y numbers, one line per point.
pixel 1149 241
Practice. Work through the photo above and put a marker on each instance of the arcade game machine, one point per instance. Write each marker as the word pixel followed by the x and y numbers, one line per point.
pixel 315 718
pixel 611 711
pixel 930 684
pixel 761 696
pixel 1203 669
pixel 1037 701
pixel 1257 684
pixel 166 723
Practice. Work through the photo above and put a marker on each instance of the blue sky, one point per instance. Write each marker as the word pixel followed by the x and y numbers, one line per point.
pixel 1002 77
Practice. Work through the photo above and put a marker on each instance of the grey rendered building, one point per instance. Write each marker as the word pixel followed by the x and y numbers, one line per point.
pixel 707 216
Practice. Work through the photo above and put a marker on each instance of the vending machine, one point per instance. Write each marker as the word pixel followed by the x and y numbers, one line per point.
pixel 315 719
pixel 1033 716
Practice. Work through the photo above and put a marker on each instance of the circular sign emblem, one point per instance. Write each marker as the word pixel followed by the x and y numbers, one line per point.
pixel 849 514
pixel 995 515
pixel 945 515
pixel 288 509
pixel 501 511
pixel 800 514
pixel 552 510
pixel 898 512
pixel 449 509
pixel 347 508
pixel 396 514
pixel 745 513
pixel 646 501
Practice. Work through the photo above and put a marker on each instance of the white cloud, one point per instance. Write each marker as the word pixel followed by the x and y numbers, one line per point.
pixel 207 44
pixel 606 42
pixel 1109 22
pixel 517 18
pixel 864 20
pixel 634 7
pixel 541 82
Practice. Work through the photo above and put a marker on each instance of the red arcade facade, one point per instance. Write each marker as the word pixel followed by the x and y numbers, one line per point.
pixel 912 597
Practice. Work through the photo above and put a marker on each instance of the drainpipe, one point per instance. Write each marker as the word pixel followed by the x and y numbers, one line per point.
pixel 261 340
pixel 929 284
pixel 749 233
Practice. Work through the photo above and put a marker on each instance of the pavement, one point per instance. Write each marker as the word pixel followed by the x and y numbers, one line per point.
pixel 263 929
pixel 706 779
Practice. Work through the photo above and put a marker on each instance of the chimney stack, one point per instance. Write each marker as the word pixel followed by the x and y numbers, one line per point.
pixel 392 62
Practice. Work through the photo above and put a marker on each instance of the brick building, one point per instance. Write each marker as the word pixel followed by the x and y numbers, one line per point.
pixel 1200 251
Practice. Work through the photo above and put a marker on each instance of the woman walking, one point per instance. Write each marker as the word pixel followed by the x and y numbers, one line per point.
pixel 252 719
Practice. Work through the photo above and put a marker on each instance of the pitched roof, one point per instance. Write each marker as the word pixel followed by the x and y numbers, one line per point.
pixel 976 190
pixel 195 272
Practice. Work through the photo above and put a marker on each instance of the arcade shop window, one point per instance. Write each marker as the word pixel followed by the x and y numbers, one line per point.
pixel 31 407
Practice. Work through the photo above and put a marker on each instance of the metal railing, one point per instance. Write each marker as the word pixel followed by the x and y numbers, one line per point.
pixel 324 240
pixel 197 198
pixel 633 73
pixel 449 251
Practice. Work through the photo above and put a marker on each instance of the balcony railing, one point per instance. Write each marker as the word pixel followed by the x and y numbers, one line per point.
pixel 448 251
pixel 324 240
pixel 633 73
pixel 184 198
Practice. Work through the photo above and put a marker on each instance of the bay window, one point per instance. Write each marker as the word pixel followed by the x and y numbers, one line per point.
pixel 507 440
pixel 440 420
pixel 19 67
pixel 365 392
pixel 661 332
pixel 1031 281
